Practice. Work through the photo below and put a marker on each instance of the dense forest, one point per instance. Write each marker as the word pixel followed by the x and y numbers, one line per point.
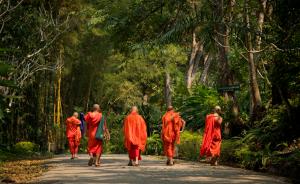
pixel 60 56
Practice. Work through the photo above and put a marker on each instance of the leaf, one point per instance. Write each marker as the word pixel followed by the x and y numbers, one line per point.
pixel 8 83
pixel 5 69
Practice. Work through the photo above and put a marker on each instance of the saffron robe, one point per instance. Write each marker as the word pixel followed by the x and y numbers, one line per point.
pixel 135 134
pixel 73 133
pixel 92 120
pixel 171 125
pixel 211 144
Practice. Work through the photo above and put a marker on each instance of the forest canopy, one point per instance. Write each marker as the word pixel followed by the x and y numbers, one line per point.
pixel 60 56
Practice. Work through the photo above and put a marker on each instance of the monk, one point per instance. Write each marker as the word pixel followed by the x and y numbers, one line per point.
pixel 73 133
pixel 211 144
pixel 135 132
pixel 95 145
pixel 171 125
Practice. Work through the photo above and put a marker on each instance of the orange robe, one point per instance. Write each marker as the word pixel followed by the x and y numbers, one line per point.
pixel 73 133
pixel 171 125
pixel 93 120
pixel 211 144
pixel 135 133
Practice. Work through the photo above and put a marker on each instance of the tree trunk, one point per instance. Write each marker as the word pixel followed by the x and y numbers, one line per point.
pixel 260 22
pixel 204 74
pixel 226 74
pixel 226 77
pixel 255 104
pixel 194 60
pixel 168 92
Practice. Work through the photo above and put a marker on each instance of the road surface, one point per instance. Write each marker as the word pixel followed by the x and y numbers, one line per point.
pixel 153 170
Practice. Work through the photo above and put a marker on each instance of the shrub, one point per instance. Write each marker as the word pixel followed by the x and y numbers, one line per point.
pixel 197 105
pixel 115 126
pixel 189 146
pixel 83 144
pixel 25 147
pixel 154 145
pixel 228 148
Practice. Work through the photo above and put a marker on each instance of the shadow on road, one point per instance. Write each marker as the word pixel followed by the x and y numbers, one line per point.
pixel 114 170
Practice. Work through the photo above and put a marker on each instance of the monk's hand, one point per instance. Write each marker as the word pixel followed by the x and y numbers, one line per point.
pixel 107 136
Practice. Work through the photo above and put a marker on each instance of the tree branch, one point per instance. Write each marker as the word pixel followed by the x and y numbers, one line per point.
pixel 10 9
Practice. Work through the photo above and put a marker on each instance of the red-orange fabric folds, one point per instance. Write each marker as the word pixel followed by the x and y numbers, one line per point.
pixel 135 132
pixel 134 152
pixel 93 119
pixel 171 125
pixel 73 133
pixel 211 144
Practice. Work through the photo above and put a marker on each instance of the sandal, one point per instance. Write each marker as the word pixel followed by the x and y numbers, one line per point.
pixel 130 163
pixel 136 165
pixel 91 161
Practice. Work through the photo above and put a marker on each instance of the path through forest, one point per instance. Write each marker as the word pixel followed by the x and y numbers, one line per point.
pixel 152 170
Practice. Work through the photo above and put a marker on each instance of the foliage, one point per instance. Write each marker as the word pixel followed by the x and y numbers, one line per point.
pixel 189 146
pixel 115 125
pixel 269 131
pixel 117 54
pixel 197 105
pixel 154 145
pixel 25 147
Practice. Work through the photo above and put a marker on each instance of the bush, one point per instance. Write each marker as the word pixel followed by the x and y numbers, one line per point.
pixel 115 126
pixel 197 105
pixel 154 145
pixel 228 148
pixel 189 146
pixel 25 147
pixel 83 144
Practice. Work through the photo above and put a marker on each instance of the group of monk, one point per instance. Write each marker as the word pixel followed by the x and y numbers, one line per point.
pixel 135 135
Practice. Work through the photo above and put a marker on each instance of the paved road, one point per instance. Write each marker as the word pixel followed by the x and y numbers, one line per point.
pixel 152 171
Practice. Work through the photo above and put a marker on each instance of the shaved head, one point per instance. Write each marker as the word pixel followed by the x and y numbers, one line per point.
pixel 170 107
pixel 134 109
pixel 217 109
pixel 96 107
pixel 75 114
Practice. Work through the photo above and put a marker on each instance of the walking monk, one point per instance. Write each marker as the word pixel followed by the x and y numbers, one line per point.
pixel 135 132
pixel 171 125
pixel 211 144
pixel 73 133
pixel 93 120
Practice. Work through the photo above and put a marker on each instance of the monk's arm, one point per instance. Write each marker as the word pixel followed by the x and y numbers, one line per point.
pixel 219 120
pixel 183 125
pixel 106 131
pixel 76 122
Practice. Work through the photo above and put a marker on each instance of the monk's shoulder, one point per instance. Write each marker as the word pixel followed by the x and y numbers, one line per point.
pixel 88 114
pixel 127 118
pixel 176 114
pixel 165 115
pixel 68 119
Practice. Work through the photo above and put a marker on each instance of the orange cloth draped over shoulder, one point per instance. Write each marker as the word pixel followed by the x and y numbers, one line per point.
pixel 135 133
pixel 93 119
pixel 171 125
pixel 211 144
pixel 73 133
